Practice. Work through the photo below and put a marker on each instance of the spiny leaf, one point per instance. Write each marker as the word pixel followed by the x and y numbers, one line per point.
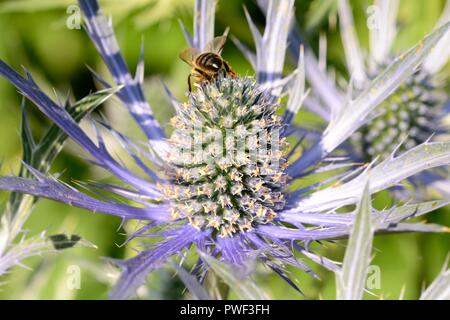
pixel 350 281
pixel 245 288
pixel 192 284
pixel 53 140
pixel 411 227
pixel 410 211
pixel 28 143
pixel 37 246
pixel 4 233
pixel 440 288
pixel 385 175
pixel 42 155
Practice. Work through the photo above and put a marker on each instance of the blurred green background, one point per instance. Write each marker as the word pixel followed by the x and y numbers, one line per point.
pixel 34 34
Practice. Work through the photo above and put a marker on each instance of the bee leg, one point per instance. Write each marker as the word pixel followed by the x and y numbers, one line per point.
pixel 228 69
pixel 222 73
pixel 205 75
pixel 189 83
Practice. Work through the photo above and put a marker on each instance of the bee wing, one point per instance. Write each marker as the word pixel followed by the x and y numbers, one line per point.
pixel 188 54
pixel 216 45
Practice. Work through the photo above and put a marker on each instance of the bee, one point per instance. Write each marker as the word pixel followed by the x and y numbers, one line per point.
pixel 207 65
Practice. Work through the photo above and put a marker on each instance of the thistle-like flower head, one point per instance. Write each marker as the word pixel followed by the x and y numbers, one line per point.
pixel 405 120
pixel 224 182
pixel 226 163
pixel 413 111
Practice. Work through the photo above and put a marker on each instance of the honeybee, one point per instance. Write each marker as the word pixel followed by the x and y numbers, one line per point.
pixel 207 65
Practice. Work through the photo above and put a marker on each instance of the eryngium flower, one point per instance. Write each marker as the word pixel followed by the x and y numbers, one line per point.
pixel 225 162
pixel 413 114
pixel 408 118
pixel 222 183
pixel 415 111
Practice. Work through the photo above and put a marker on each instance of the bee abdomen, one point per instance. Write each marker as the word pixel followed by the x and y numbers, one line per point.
pixel 210 61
